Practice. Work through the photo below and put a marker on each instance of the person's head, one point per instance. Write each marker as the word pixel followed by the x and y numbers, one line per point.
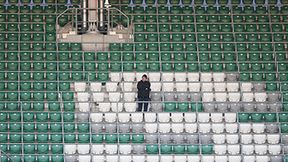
pixel 144 77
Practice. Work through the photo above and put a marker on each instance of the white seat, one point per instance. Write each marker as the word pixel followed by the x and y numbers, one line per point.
pixel 137 117
pixel 177 127
pixel 207 158
pixel 208 97
pixel 98 96
pixel 230 117
pixel 203 117
pixel 218 138
pixel 124 117
pixel 98 158
pixel 221 158
pixel 191 127
pixel 111 158
pixel 104 106
pixel 155 86
pixel 220 149
pixel 96 117
pixel 234 158
pixel 117 107
pixel 163 117
pixel 84 107
pixel 164 127
pixel 259 138
pixel 179 158
pixel 129 96
pixel 246 138
pixel 166 158
pixel 262 159
pixel 139 76
pixel 193 158
pixel 207 87
pixel 177 117
pixel 125 149
pixel 247 149
pixel 231 127
pixel 233 149
pixel 258 127
pixel 260 96
pixel 84 158
pixel 180 77
pixel 129 76
pixel 114 96
pixel 273 138
pixel 111 149
pixel 247 97
pixel 260 149
pixel 80 86
pixel 221 97
pixel 220 87
pixel 206 77
pixel 232 138
pixel 151 127
pixel 190 117
pixel 219 77
pixel 204 127
pixel 139 158
pixel 193 77
pixel 125 158
pixel 110 117
pixel 167 77
pixel 82 96
pixel 181 87
pixel 83 149
pixel 274 149
pixel 130 107
pixel 115 77
pixel 245 128
pixel 152 158
pixel 70 149
pixel 194 87
pixel 150 117
pixel 168 87
pixel 127 86
pixel 111 86
pixel 154 77
pixel 246 87
pixel 234 97
pixel 249 158
pixel 218 127
pixel 232 87
pixel 95 86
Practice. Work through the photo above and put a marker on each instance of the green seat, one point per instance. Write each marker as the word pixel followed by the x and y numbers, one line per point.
pixel 111 138
pixel 192 149
pixel 15 117
pixel 152 149
pixel 28 138
pixel 183 107
pixel 97 138
pixel 284 127
pixel 124 138
pixel 57 149
pixel 28 127
pixel 51 86
pixel 270 117
pixel 196 107
pixel 170 107
pixel 83 127
pixel 42 127
pixel 207 149
pixel 29 149
pixel 69 106
pixel 243 117
pixel 166 149
pixel 3 116
pixel 15 149
pixel 4 127
pixel 15 138
pixel 42 116
pixel 283 117
pixel 57 158
pixel 256 117
pixel 83 138
pixel 43 149
pixel 55 117
pixel 56 138
pixel 38 106
pixel 42 138
pixel 69 138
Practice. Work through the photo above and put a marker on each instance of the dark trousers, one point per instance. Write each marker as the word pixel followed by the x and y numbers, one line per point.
pixel 141 102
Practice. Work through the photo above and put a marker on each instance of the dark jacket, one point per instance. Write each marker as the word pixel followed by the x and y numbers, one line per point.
pixel 143 89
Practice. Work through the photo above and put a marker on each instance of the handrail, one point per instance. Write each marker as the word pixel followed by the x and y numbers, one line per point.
pixel 4 153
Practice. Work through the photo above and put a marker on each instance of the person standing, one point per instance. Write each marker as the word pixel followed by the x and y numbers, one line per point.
pixel 143 87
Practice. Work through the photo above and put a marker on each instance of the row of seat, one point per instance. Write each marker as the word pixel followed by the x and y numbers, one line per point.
pixel 36 96
pixel 265 57
pixel 16 117
pixel 211 27
pixel 36 9
pixel 176 158
pixel 37 106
